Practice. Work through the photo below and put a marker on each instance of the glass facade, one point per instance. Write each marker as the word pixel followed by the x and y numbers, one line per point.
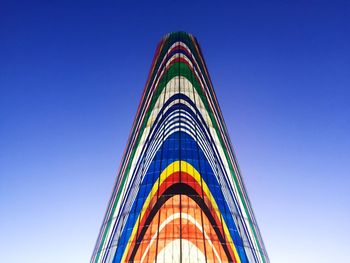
pixel 179 196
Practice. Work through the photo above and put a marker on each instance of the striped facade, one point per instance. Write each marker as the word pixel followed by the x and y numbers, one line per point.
pixel 179 195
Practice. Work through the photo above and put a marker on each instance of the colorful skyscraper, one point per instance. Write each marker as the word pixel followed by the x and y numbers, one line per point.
pixel 179 195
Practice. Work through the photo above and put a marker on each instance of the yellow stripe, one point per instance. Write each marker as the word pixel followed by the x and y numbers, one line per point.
pixel 169 170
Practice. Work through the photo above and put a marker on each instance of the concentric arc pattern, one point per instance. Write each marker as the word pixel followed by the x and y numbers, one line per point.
pixel 179 195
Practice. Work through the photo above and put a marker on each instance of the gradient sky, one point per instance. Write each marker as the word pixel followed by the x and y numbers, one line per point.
pixel 71 78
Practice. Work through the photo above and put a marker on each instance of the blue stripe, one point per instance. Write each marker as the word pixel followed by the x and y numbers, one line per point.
pixel 167 154
pixel 159 121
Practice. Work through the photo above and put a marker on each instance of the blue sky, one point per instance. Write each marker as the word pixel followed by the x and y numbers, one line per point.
pixel 71 77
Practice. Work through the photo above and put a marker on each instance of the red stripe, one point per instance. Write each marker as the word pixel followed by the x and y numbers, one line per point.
pixel 169 181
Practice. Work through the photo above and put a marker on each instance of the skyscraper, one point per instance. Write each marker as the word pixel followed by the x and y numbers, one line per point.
pixel 179 195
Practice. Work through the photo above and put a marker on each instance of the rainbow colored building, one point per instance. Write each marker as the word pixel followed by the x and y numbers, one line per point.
pixel 179 195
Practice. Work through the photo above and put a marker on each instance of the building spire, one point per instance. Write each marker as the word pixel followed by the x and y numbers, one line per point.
pixel 179 195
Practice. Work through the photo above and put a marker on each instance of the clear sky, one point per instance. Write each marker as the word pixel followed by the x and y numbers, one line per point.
pixel 71 78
